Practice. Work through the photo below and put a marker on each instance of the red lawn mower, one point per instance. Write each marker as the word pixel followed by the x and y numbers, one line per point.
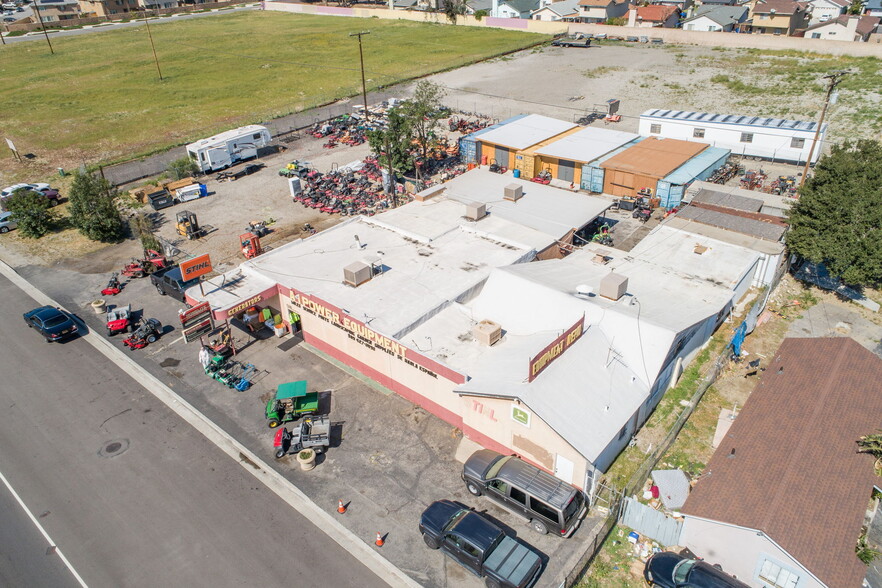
pixel 151 262
pixel 118 319
pixel 113 286
pixel 543 177
pixel 148 331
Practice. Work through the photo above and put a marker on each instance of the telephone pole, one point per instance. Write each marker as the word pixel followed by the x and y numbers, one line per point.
pixel 361 58
pixel 42 26
pixel 152 46
pixel 833 78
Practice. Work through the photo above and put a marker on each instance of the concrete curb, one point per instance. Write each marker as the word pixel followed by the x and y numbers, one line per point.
pixel 249 461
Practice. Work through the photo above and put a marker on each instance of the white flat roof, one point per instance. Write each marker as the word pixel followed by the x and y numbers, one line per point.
pixel 227 135
pixel 587 145
pixel 227 290
pixel 525 132
pixel 753 243
pixel 547 209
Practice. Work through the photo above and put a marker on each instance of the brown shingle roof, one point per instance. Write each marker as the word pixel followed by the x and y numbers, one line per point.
pixel 779 6
pixel 655 12
pixel 795 474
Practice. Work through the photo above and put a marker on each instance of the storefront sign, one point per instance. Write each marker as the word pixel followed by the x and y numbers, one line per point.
pixel 555 349
pixel 197 330
pixel 194 315
pixel 193 268
pixel 241 307
pixel 520 415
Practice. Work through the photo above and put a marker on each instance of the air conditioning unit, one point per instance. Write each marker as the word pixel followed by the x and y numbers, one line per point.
pixel 487 332
pixel 357 273
pixel 513 192
pixel 613 286
pixel 475 211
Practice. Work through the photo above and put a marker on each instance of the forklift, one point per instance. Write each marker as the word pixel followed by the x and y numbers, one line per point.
pixel 188 226
pixel 250 245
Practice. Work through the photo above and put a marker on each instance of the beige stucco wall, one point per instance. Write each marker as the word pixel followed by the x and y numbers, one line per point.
pixel 740 551
pixel 538 443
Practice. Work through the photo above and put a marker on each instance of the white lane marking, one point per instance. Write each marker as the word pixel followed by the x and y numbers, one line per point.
pixel 42 531
pixel 249 461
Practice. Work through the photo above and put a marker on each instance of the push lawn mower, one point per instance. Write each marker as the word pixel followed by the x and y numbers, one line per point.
pixel 148 331
pixel 113 286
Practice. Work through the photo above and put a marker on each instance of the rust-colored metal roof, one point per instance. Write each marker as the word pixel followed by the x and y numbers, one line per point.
pixel 654 156
pixel 788 465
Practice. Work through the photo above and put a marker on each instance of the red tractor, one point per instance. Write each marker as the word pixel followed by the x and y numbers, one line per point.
pixel 151 262
pixel 250 245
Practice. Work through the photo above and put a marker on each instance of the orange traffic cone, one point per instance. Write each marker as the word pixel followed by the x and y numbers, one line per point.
pixel 340 508
pixel 379 542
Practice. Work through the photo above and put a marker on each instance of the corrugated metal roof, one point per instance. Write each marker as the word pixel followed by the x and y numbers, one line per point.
pixel 746 226
pixel 728 200
pixel 654 156
pixel 731 119
pixel 692 168
pixel 526 131
pixel 587 144
pixel 673 487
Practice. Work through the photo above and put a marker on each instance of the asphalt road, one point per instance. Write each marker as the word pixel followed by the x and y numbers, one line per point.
pixel 130 493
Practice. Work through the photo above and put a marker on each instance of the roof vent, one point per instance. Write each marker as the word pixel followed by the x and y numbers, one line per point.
pixel 487 332
pixel 613 286
pixel 584 290
pixel 475 211
pixel 513 192
pixel 357 273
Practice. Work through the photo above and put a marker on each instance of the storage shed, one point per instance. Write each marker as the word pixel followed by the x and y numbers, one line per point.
pixel 565 156
pixel 593 173
pixel 468 145
pixel 670 189
pixel 644 164
pixel 502 143
pixel 776 139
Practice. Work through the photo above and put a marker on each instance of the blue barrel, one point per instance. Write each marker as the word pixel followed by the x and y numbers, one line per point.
pixel 517 173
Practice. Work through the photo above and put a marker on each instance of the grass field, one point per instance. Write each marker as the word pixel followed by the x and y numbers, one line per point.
pixel 98 98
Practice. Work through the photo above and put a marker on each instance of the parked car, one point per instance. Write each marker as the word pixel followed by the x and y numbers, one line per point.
pixel 672 570
pixel 6 222
pixel 548 503
pixel 43 189
pixel 480 546
pixel 9 19
pixel 53 323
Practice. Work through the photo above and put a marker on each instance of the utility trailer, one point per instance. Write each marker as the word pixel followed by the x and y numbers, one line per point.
pixel 223 150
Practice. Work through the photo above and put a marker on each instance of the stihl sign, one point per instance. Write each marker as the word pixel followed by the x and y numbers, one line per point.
pixel 193 268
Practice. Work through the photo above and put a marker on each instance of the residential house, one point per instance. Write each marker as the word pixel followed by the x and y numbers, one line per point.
pixel 654 15
pixel 777 17
pixel 58 10
pixel 106 8
pixel 873 8
pixel 824 10
pixel 682 5
pixel 844 28
pixel 784 497
pixel 513 8
pixel 602 10
pixel 716 18
pixel 155 4
pixel 718 3
pixel 484 6
pixel 567 10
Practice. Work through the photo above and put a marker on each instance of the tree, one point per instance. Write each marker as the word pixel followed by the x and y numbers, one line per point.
pixel 93 209
pixel 183 168
pixel 453 9
pixel 31 211
pixel 838 218
pixel 392 143
pixel 423 111
pixel 142 225
pixel 856 7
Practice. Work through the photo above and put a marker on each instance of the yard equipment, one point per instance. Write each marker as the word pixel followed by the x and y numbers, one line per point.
pixel 312 433
pixel 496 168
pixel 113 286
pixel 222 346
pixel 250 245
pixel 187 225
pixel 152 261
pixel 543 177
pixel 258 228
pixel 642 214
pixel 292 401
pixel 603 236
pixel 148 331
pixel 295 168
pixel 245 377
pixel 118 319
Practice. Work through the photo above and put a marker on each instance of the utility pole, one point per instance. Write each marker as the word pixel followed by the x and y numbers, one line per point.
pixel 152 46
pixel 833 78
pixel 361 58
pixel 42 26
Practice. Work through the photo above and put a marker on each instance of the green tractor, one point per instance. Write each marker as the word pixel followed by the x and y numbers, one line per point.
pixel 292 401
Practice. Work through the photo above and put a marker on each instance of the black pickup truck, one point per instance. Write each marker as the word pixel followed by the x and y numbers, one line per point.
pixel 169 281
pixel 479 546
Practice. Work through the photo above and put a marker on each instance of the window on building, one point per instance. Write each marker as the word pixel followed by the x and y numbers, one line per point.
pixel 655 128
pixel 774 576
pixel 796 143
pixel 816 35
pixel 698 133
pixel 747 137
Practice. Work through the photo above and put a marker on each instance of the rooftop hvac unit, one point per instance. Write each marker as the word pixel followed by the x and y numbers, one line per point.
pixel 513 192
pixel 487 332
pixel 357 273
pixel 613 286
pixel 475 211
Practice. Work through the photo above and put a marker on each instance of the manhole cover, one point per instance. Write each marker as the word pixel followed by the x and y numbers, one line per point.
pixel 169 362
pixel 114 448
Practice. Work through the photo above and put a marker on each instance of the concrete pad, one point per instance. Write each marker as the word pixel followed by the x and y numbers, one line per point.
pixel 465 449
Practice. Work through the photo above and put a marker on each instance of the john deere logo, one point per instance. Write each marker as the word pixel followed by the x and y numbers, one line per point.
pixel 521 416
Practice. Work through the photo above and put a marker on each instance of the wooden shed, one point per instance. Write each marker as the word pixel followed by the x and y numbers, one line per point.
pixel 504 142
pixel 644 164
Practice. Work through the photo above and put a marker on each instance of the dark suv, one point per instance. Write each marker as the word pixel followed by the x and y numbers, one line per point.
pixel 671 570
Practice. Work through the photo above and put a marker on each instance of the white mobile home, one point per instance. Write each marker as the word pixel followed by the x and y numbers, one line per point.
pixel 755 136
pixel 225 149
